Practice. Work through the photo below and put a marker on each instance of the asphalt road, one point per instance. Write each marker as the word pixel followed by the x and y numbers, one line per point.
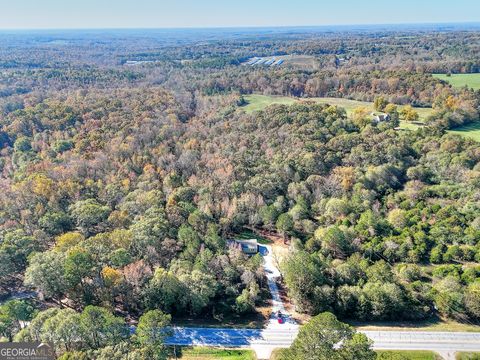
pixel 264 340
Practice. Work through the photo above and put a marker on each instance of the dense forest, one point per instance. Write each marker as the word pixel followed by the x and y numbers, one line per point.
pixel 120 184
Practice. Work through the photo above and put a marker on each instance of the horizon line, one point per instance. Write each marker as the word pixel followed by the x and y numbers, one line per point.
pixel 220 27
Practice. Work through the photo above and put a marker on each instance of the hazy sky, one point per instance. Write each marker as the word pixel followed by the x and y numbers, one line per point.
pixel 220 13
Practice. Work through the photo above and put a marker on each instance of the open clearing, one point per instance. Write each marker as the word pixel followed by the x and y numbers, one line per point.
pixel 205 353
pixel 460 80
pixel 257 102
pixel 471 131
pixel 304 61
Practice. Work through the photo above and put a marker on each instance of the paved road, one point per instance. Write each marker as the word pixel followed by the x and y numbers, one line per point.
pixel 264 340
pixel 276 335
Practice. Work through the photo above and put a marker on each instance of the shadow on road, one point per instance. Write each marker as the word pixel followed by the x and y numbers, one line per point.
pixel 214 337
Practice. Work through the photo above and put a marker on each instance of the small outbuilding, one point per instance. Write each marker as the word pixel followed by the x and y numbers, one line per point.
pixel 379 117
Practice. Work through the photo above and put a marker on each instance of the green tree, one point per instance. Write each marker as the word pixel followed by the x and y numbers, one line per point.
pixel 55 223
pixel 89 214
pixel 23 144
pixel 302 274
pixel 380 103
pixel 285 224
pixel 202 287
pixel 13 314
pixel 101 328
pixel 382 301
pixel 166 292
pixel 16 246
pixel 149 230
pixel 79 264
pixel 326 338
pixel 64 330
pixel 151 332
pixel 46 272
pixel 269 215
pixel 190 239
pixel 409 114
pixel 472 300
pixel 149 325
pixel 213 239
pixel 449 297
pixel 392 110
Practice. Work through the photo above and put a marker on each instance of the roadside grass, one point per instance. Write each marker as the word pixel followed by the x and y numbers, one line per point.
pixel 387 354
pixel 467 356
pixel 408 354
pixel 257 102
pixel 460 80
pixel 276 354
pixel 207 353
pixel 433 324
pixel 471 131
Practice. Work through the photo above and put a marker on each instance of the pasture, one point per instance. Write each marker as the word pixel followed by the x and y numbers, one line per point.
pixel 460 80
pixel 257 102
pixel 471 131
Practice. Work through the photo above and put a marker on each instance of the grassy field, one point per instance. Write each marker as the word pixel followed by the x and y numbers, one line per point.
pixel 408 125
pixel 468 356
pixel 410 354
pixel 260 102
pixel 460 80
pixel 256 102
pixel 471 131
pixel 205 353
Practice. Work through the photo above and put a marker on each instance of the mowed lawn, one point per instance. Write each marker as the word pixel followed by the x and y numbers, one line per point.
pixel 257 102
pixel 460 80
pixel 471 131
pixel 409 354
pixel 205 353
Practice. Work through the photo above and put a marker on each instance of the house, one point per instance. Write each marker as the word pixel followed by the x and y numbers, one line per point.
pixel 248 246
pixel 379 117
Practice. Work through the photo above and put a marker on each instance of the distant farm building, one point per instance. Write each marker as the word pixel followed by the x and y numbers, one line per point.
pixel 248 246
pixel 265 61
pixel 380 117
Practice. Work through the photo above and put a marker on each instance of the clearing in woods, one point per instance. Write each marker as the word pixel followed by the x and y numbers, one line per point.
pixel 460 80
pixel 257 102
pixel 471 131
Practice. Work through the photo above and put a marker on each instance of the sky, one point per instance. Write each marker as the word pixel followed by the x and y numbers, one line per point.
pixel 77 14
